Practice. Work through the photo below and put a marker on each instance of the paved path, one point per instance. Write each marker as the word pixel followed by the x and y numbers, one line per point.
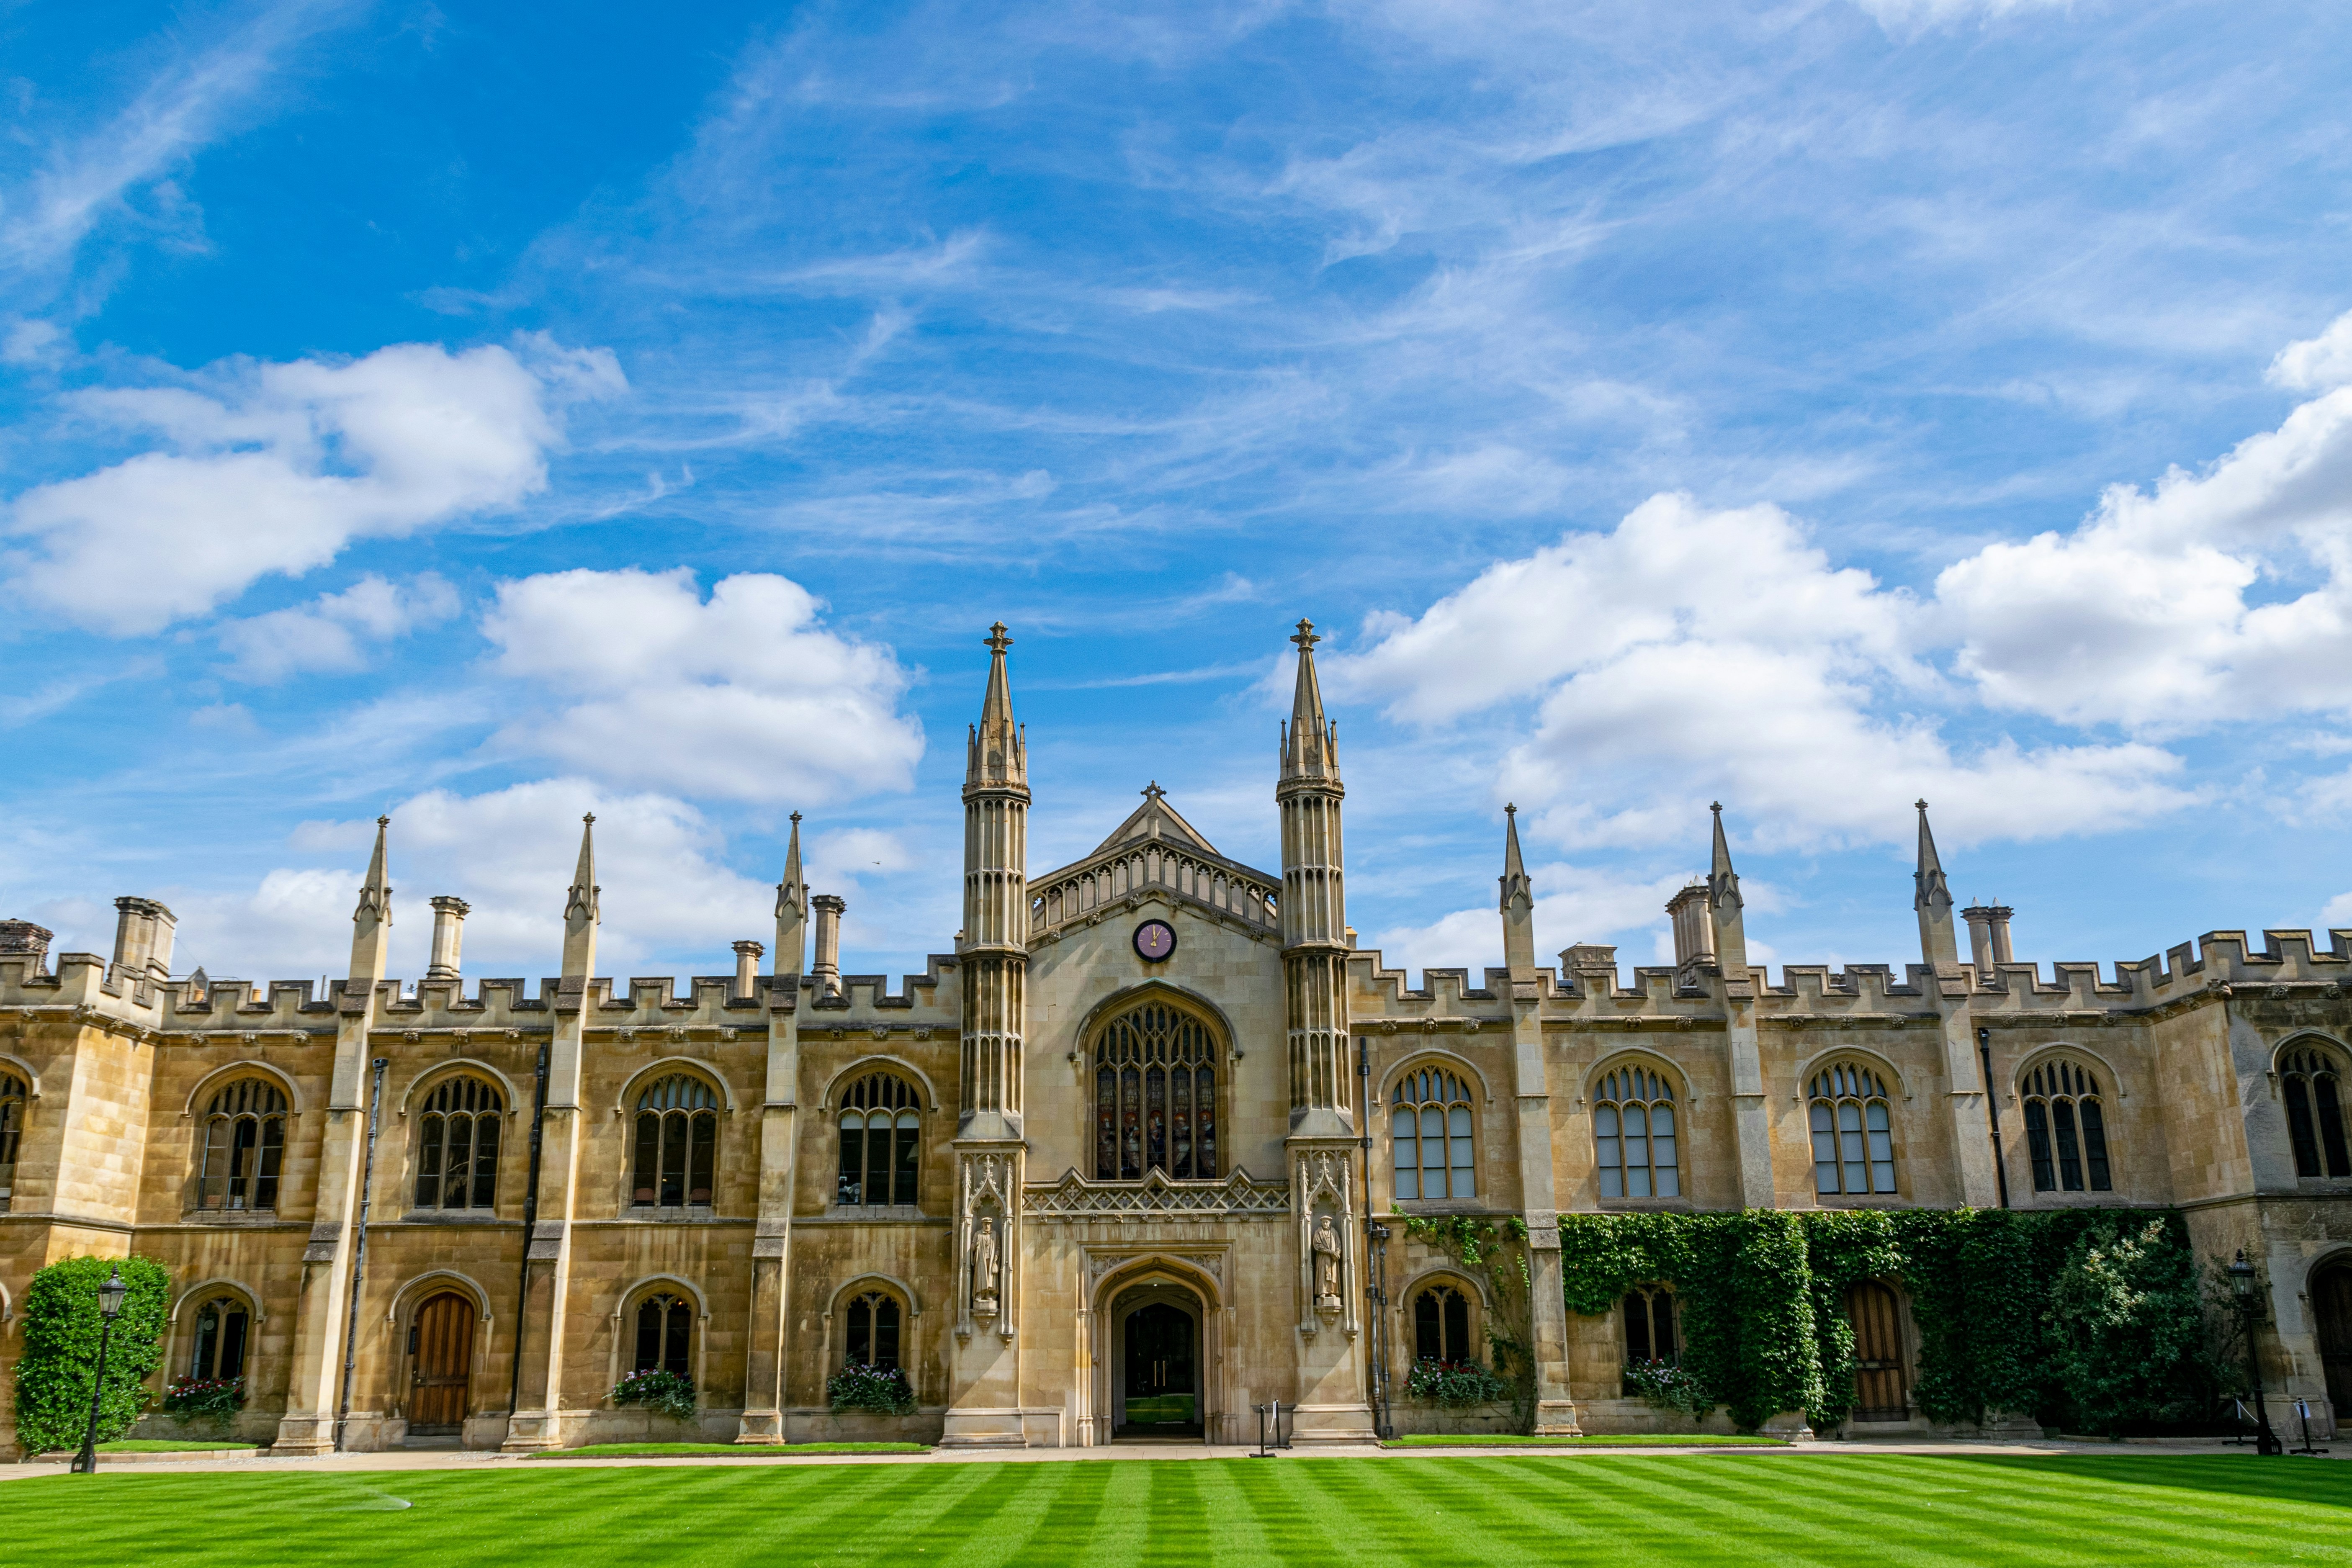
pixel 461 1459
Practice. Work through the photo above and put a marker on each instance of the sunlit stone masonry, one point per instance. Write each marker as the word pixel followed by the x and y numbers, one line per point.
pixel 1132 1157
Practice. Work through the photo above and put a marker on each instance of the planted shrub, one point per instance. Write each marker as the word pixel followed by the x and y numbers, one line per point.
pixel 58 1369
pixel 2130 1343
pixel 1454 1383
pixel 212 1400
pixel 665 1393
pixel 1663 1385
pixel 881 1390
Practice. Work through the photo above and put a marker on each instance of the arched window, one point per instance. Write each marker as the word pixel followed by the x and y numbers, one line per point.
pixel 2066 1128
pixel 12 1132
pixel 1649 1313
pixel 1441 1325
pixel 1155 1096
pixel 881 1141
pixel 218 1352
pixel 872 1339
pixel 458 1146
pixel 1430 1123
pixel 1633 1134
pixel 245 1145
pixel 664 1334
pixel 1854 1132
pixel 677 1142
pixel 2314 1110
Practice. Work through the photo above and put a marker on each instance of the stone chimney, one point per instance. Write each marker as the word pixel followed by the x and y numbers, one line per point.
pixel 1694 931
pixel 747 969
pixel 1987 935
pixel 1592 965
pixel 828 967
pixel 143 932
pixel 23 939
pixel 449 936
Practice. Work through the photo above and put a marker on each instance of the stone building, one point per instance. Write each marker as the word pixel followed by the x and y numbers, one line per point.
pixel 1106 1167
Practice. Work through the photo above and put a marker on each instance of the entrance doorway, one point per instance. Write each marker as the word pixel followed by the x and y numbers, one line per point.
pixel 1156 1362
pixel 2331 1303
pixel 441 1347
pixel 1878 1391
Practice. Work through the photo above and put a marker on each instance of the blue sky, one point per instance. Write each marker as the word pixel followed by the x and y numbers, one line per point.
pixel 486 415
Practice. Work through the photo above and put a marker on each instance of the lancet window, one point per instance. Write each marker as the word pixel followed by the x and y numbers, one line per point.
pixel 243 1147
pixel 1431 1141
pixel 1155 1096
pixel 1854 1131
pixel 677 1142
pixel 12 1132
pixel 1633 1134
pixel 872 1331
pixel 1441 1325
pixel 664 1334
pixel 219 1342
pixel 881 1141
pixel 1650 1336
pixel 2066 1129
pixel 458 1146
pixel 2313 1081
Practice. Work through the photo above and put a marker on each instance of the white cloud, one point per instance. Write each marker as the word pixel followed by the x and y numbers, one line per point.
pixel 1573 903
pixel 2317 364
pixel 1907 16
pixel 1722 652
pixel 745 695
pixel 280 465
pixel 326 633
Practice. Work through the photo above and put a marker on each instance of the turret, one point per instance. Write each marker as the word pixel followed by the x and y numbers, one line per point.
pixel 371 920
pixel 1517 904
pixel 1314 906
pixel 581 908
pixel 1939 947
pixel 995 949
pixel 1725 909
pixel 791 909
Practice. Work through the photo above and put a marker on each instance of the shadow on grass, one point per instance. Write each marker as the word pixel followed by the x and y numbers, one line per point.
pixel 2287 1479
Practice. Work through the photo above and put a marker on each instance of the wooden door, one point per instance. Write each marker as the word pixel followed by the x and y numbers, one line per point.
pixel 443 1341
pixel 1878 1391
pixel 2331 1302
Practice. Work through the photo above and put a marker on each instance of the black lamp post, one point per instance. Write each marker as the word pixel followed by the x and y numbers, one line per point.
pixel 109 1305
pixel 2242 1283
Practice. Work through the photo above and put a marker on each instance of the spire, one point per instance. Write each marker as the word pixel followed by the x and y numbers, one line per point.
pixel 1932 897
pixel 371 920
pixel 791 909
pixel 1310 743
pixel 1726 908
pixel 581 909
pixel 999 751
pixel 1518 903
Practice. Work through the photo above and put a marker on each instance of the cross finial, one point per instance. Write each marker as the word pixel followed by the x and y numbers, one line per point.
pixel 1920 804
pixel 796 816
pixel 1152 791
pixel 589 817
pixel 1306 639
pixel 997 641
pixel 1510 810
pixel 1716 806
pixel 384 821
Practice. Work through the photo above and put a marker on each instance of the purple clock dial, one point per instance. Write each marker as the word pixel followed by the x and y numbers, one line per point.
pixel 1154 940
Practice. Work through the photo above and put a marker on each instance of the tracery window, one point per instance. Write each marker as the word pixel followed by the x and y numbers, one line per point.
pixel 1633 1134
pixel 1431 1140
pixel 1441 1325
pixel 2314 1081
pixel 458 1146
pixel 1155 1096
pixel 677 1142
pixel 1853 1132
pixel 881 1141
pixel 1649 1314
pixel 664 1334
pixel 218 1352
pixel 243 1147
pixel 2066 1129
pixel 872 1338
pixel 12 1132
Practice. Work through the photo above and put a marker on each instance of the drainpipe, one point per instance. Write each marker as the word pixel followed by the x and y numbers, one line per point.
pixel 359 1250
pixel 1375 1254
pixel 530 1223
pixel 1992 1110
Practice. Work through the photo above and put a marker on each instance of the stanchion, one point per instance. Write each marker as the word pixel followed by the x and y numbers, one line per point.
pixel 2302 1409
pixel 1270 1435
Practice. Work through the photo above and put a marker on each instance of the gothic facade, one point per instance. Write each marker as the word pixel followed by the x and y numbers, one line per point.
pixel 1132 1158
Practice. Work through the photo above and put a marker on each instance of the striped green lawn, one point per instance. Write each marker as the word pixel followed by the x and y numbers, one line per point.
pixel 1862 1509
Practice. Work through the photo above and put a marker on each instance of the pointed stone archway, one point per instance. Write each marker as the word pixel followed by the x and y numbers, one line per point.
pixel 1179 1307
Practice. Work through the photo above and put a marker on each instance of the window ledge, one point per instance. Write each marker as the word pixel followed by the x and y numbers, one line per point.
pixel 455 1216
pixel 1443 1205
pixel 1645 1205
pixel 691 1212
pixel 1862 1200
pixel 876 1211
pixel 228 1216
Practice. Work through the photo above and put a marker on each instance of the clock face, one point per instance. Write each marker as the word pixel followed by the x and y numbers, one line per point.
pixel 1154 940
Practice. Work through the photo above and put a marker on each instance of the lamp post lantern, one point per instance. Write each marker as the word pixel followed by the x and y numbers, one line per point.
pixel 110 1306
pixel 2242 1285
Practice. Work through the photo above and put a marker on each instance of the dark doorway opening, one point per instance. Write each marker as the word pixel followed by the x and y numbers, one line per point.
pixel 1162 1386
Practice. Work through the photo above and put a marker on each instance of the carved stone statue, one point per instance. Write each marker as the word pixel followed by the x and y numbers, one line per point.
pixel 1327 1264
pixel 983 1266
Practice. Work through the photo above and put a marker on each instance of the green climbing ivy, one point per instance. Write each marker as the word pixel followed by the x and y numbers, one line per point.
pixel 1499 1253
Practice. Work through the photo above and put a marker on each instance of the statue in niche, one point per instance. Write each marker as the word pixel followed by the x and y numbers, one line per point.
pixel 1326 1265
pixel 983 1268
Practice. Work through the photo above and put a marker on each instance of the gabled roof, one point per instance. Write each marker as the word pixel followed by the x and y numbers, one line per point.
pixel 1156 819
